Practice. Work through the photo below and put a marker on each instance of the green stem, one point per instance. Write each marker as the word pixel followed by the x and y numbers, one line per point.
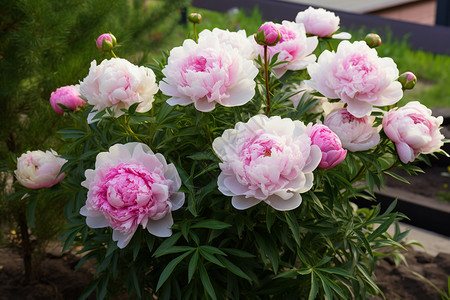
pixel 330 45
pixel 266 73
pixel 113 54
pixel 129 130
pixel 195 33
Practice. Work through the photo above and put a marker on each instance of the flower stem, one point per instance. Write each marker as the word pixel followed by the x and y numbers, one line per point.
pixel 195 33
pixel 113 54
pixel 330 45
pixel 266 73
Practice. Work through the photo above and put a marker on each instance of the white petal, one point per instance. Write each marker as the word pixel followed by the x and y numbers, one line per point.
pixel 342 36
pixel 161 227
pixel 177 200
pixel 241 203
pixel 122 238
pixel 283 205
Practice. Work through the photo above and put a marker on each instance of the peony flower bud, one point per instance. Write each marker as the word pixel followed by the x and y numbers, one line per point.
pixel 38 169
pixel 106 42
pixel 329 143
pixel 68 96
pixel 408 80
pixel 195 18
pixel 372 40
pixel 267 34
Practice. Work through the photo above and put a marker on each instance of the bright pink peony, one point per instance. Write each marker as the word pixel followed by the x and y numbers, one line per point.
pixel 116 83
pixel 131 186
pixel 294 47
pixel 329 143
pixel 356 134
pixel 356 75
pixel 266 159
pixel 208 73
pixel 67 96
pixel 318 21
pixel 38 169
pixel 413 130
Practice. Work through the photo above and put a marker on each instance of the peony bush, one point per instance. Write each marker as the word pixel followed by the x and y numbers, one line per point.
pixel 228 169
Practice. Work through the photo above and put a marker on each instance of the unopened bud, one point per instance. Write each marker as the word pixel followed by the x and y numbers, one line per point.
pixel 268 35
pixel 373 40
pixel 408 80
pixel 195 18
pixel 106 42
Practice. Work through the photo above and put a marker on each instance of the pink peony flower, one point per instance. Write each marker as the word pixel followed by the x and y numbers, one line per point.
pixel 294 47
pixel 413 130
pixel 131 186
pixel 236 40
pixel 357 76
pixel 38 169
pixel 208 73
pixel 318 21
pixel 266 159
pixel 68 96
pixel 329 143
pixel 106 42
pixel 356 134
pixel 116 83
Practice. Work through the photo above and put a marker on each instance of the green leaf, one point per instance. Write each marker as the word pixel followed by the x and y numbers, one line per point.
pixel 382 228
pixel 369 280
pixel 211 224
pixel 293 225
pixel 167 244
pixel 210 257
pixel 192 265
pixel 203 156
pixel 206 281
pixel 332 285
pixel 314 289
pixel 173 249
pixel 169 268
pixel 336 271
pixel 238 253
pixel 233 268
pixel 31 209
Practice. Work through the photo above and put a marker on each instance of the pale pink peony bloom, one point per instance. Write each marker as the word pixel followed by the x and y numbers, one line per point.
pixel 266 159
pixel 294 47
pixel 131 186
pixel 116 83
pixel 413 130
pixel 356 134
pixel 356 75
pixel 237 40
pixel 38 169
pixel 318 21
pixel 208 73
pixel 68 96
pixel 329 143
